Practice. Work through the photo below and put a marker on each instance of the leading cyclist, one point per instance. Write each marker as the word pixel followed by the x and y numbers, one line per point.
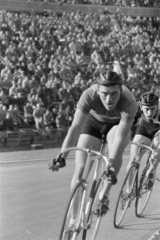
pixel 107 104
pixel 148 130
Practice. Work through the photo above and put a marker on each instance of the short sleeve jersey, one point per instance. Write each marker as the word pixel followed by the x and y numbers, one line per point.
pixel 125 110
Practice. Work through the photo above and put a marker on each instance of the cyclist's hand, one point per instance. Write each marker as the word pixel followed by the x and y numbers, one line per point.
pixel 57 163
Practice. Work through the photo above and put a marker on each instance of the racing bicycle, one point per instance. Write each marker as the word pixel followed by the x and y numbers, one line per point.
pixel 83 199
pixel 139 188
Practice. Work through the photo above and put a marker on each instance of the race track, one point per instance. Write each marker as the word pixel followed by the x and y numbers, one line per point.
pixel 33 200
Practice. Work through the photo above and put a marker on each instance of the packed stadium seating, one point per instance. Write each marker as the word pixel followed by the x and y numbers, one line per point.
pixel 48 59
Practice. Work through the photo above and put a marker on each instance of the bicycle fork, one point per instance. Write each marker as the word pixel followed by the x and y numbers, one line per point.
pixel 82 218
pixel 88 204
pixel 84 210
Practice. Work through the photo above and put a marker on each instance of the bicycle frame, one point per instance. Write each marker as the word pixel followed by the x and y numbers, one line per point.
pixel 141 147
pixel 138 158
pixel 98 157
pixel 131 184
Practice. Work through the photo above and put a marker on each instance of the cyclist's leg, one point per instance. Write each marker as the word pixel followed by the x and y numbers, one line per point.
pixel 116 164
pixel 156 143
pixel 152 169
pixel 143 134
pixel 90 138
pixel 85 141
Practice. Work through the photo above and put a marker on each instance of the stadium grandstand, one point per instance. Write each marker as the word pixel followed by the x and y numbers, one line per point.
pixel 51 51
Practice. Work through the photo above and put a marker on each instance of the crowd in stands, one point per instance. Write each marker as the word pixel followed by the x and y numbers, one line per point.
pixel 47 61
pixel 121 3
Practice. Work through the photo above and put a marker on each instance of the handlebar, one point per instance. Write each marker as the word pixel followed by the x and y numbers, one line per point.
pixel 141 145
pixel 109 171
pixel 89 152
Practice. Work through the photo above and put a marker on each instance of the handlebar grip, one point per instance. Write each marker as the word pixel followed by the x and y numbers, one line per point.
pixel 60 162
pixel 53 165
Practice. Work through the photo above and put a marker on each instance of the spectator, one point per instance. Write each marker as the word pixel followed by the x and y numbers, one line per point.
pixel 39 60
pixel 25 84
pixel 39 124
pixel 35 99
pixel 13 90
pixel 49 120
pixel 8 123
pixel 60 124
pixel 28 114
pixel 117 68
pixel 78 78
pixel 2 115
pixel 38 114
pixel 95 57
pixel 3 97
pixel 18 116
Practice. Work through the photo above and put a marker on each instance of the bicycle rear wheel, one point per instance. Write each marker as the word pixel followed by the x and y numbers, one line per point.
pixel 124 198
pixel 93 220
pixel 70 231
pixel 144 193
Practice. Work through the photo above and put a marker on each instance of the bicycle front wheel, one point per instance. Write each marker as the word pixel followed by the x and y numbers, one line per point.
pixel 93 220
pixel 126 195
pixel 72 219
pixel 144 192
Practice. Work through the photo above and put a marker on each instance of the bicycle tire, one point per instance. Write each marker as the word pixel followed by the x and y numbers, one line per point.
pixel 124 201
pixel 66 229
pixel 144 194
pixel 91 231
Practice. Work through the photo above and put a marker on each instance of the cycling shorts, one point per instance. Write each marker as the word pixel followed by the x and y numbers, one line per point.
pixel 147 129
pixel 96 128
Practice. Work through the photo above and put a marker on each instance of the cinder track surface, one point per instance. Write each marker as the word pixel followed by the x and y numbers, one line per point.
pixel 33 200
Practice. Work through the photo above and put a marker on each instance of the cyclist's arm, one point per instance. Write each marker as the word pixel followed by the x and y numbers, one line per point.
pixel 74 130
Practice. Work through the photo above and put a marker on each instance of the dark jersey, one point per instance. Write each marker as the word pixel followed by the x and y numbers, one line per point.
pixel 125 110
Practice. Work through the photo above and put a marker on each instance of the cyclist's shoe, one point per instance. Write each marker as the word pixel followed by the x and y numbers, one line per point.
pixel 150 181
pixel 101 207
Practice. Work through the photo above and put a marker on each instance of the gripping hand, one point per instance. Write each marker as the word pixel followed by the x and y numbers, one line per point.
pixel 57 163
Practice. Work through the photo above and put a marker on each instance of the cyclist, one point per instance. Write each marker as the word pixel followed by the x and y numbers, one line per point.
pixel 106 106
pixel 147 130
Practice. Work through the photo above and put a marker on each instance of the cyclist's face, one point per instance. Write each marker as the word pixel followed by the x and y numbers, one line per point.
pixel 109 96
pixel 149 112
